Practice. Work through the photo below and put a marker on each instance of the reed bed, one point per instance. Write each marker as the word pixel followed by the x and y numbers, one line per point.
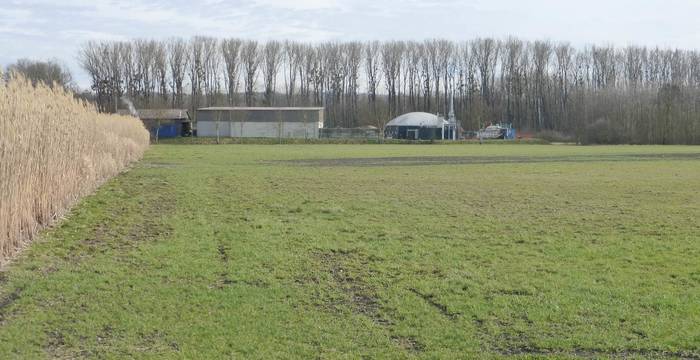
pixel 54 150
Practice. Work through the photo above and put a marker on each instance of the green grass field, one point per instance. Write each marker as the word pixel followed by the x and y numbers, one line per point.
pixel 346 252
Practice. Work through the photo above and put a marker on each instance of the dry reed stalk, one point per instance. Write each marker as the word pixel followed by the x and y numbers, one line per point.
pixel 54 150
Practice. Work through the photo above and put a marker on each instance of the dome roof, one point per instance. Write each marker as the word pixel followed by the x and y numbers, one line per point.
pixel 418 119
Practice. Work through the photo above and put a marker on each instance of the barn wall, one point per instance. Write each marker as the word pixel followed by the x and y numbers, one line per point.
pixel 309 116
pixel 260 123
pixel 208 128
pixel 258 129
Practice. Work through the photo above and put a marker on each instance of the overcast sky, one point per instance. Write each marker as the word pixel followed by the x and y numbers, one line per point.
pixel 43 29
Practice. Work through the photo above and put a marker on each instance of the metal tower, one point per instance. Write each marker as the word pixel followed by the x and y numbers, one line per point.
pixel 451 120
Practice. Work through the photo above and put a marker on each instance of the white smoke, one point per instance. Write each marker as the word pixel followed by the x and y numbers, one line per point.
pixel 132 109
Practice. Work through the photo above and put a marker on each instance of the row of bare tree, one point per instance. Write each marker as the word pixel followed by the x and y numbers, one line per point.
pixel 49 72
pixel 594 94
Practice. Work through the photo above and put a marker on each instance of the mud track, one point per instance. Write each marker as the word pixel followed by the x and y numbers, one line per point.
pixel 469 160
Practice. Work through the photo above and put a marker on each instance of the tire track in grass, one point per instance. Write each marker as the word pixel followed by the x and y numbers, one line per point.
pixel 134 213
pixel 225 277
pixel 359 296
pixel 430 299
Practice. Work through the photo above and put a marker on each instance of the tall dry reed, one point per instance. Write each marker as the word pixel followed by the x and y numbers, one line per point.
pixel 53 151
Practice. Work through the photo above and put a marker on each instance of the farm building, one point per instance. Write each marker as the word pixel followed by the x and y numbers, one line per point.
pixel 419 126
pixel 275 122
pixel 423 126
pixel 163 123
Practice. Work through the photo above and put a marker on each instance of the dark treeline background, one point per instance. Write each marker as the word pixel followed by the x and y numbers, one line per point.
pixel 591 95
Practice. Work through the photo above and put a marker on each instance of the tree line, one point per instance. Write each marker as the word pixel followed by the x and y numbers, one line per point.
pixel 49 72
pixel 594 94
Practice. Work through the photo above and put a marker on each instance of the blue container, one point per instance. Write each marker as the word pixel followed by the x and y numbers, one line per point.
pixel 166 131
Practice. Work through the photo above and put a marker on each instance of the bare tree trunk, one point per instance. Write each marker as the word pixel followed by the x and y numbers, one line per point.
pixel 231 51
pixel 272 56
pixel 251 61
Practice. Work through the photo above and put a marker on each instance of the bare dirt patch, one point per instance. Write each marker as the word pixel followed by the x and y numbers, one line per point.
pixel 8 300
pixel 349 270
pixel 157 340
pixel 349 278
pixel 147 219
pixel 510 343
pixel 598 353
pixel 408 343
pixel 55 344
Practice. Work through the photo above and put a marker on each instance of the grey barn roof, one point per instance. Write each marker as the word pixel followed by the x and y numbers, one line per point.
pixel 261 114
pixel 418 119
pixel 158 114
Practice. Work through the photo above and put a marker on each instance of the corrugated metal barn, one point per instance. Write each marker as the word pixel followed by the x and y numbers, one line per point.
pixel 268 122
